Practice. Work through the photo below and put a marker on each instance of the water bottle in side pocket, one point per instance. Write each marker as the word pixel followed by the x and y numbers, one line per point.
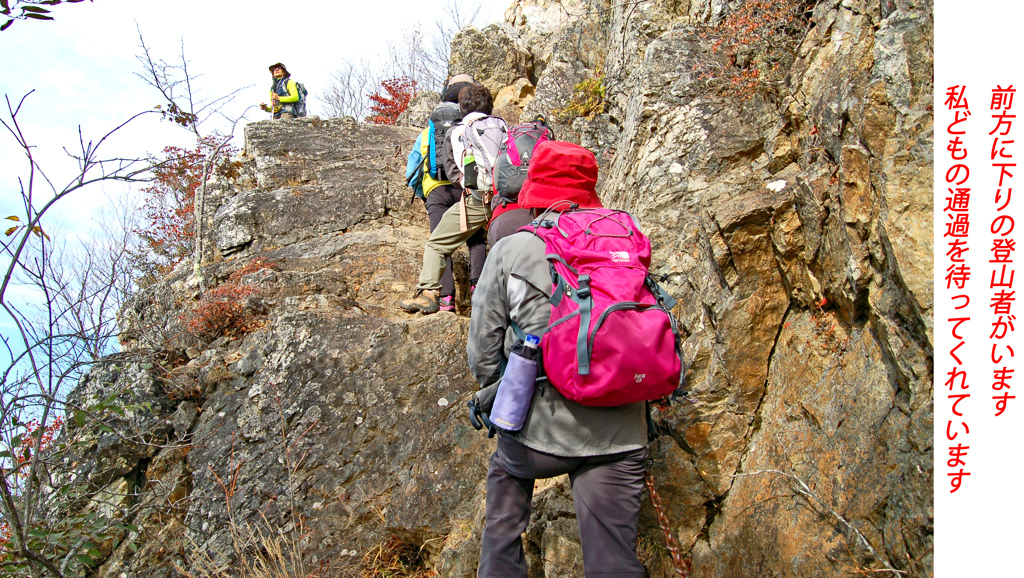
pixel 515 392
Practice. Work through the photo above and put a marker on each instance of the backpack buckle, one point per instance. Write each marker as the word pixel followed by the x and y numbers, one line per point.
pixel 584 291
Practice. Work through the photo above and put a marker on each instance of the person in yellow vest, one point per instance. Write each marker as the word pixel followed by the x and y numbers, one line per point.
pixel 284 94
pixel 430 182
pixel 475 102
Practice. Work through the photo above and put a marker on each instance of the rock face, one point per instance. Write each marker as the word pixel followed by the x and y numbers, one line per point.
pixel 794 231
pixel 340 421
pixel 419 109
pixel 798 238
pixel 494 56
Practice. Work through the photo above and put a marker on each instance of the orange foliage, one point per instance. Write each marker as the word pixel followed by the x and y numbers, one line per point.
pixel 28 439
pixel 759 40
pixel 23 455
pixel 169 202
pixel 392 101
pixel 221 310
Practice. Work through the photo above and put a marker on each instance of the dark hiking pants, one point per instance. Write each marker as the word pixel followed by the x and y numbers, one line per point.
pixel 438 202
pixel 507 223
pixel 606 493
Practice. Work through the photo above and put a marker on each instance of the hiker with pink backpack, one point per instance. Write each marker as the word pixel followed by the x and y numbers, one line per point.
pixel 577 279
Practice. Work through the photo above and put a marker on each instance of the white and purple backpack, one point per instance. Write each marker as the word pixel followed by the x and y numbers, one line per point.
pixel 612 339
pixel 482 138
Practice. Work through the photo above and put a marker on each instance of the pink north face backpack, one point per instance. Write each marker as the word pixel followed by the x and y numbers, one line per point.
pixel 611 339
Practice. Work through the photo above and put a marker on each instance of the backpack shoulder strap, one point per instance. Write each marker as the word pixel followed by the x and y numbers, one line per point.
pixel 431 148
pixel 666 300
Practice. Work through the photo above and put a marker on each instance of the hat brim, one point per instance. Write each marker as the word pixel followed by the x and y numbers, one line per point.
pixel 538 195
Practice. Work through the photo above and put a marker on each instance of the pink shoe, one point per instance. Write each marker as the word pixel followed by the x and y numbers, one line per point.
pixel 447 303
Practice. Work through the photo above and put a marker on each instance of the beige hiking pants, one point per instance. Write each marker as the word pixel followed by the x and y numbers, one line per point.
pixel 447 237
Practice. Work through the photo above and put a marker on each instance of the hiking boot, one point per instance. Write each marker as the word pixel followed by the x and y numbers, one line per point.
pixel 447 303
pixel 472 290
pixel 424 302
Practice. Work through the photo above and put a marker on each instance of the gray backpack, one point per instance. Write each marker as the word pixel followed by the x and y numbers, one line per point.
pixel 300 107
pixel 514 157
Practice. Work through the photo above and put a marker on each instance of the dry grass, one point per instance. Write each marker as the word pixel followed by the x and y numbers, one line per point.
pixel 394 559
pixel 655 556
pixel 257 555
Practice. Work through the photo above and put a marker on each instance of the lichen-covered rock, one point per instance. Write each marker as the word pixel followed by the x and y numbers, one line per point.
pixel 419 109
pixel 355 172
pixel 567 30
pixel 162 535
pixel 684 494
pixel 834 456
pixel 125 396
pixel 336 419
pixel 769 219
pixel 509 102
pixel 494 56
pixel 345 424
pixel 553 92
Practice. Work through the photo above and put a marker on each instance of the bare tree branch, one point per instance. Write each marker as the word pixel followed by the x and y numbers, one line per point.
pixel 201 196
pixel 347 92
pixel 174 82
pixel 63 328
pixel 421 55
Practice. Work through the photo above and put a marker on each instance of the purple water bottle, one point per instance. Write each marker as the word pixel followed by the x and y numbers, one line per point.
pixel 515 392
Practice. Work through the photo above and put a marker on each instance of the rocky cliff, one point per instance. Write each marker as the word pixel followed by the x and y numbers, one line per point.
pixel 794 226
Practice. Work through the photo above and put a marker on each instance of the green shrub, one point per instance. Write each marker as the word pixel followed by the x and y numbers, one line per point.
pixel 587 99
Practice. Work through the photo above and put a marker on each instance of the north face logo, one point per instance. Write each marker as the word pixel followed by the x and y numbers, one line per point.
pixel 620 256
pixel 639 377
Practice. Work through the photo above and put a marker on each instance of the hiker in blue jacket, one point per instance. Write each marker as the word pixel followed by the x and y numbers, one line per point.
pixel 602 449
pixel 447 234
pixel 442 193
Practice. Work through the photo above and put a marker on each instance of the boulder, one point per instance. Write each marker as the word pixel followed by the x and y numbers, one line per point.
pixel 419 109
pixel 494 56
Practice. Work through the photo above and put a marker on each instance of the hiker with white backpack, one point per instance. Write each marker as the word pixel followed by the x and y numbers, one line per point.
pixel 510 170
pixel 577 279
pixel 473 145
pixel 434 182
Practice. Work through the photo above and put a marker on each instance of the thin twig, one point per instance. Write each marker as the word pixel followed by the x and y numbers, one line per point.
pixel 802 488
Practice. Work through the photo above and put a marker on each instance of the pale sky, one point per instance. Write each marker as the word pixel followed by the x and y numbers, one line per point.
pixel 82 66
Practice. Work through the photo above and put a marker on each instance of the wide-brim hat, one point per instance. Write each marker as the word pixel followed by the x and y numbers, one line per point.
pixel 560 172
pixel 281 66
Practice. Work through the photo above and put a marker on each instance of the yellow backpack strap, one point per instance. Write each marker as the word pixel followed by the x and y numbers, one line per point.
pixel 424 145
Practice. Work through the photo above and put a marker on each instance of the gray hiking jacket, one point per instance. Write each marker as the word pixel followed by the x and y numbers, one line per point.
pixel 516 284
